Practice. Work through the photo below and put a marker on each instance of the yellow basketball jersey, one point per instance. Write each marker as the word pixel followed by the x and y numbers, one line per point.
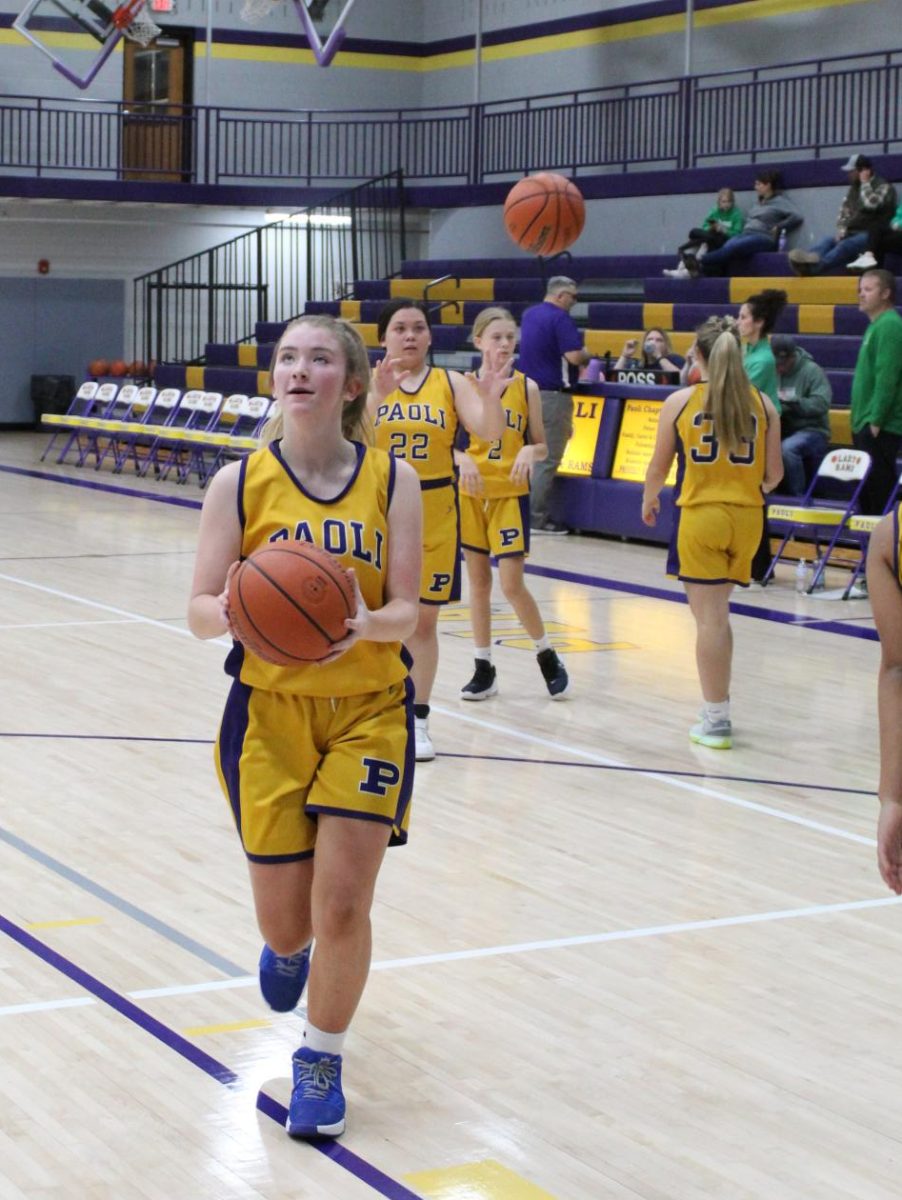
pixel 421 426
pixel 273 506
pixel 495 459
pixel 706 472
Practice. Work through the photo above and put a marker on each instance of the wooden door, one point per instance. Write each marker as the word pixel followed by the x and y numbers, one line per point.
pixel 156 128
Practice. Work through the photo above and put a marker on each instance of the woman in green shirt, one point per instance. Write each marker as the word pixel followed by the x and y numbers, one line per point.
pixel 757 317
pixel 724 221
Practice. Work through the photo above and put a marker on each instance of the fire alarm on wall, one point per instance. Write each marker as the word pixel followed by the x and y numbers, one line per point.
pixel 43 266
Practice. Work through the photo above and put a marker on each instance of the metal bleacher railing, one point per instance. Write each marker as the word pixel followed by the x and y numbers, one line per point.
pixel 268 274
pixel 806 108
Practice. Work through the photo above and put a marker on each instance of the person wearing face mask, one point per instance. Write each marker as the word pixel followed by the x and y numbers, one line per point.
pixel 654 354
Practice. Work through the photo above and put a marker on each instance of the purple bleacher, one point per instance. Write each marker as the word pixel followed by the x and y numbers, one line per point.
pixel 169 375
pixel 231 379
pixel 221 354
pixel 371 289
pixel 524 266
pixel 659 289
pixel 835 352
pixel 328 308
pixel 269 331
pixel 841 383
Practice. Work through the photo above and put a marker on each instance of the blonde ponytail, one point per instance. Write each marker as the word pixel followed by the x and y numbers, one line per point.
pixel 729 390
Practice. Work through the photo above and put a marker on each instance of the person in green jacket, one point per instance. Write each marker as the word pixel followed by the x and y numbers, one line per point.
pixel 877 388
pixel 757 317
pixel 804 395
pixel 724 221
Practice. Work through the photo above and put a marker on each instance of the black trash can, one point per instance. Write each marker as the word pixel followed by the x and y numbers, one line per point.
pixel 51 394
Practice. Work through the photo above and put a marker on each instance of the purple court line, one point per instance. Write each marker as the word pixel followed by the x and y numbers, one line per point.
pixel 353 1163
pixel 742 610
pixel 593 581
pixel 512 758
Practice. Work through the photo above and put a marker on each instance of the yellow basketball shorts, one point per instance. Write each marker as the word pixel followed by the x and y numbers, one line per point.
pixel 499 526
pixel 282 759
pixel 715 543
pixel 440 580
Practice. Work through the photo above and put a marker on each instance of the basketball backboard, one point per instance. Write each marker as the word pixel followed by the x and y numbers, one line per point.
pixel 317 21
pixel 68 31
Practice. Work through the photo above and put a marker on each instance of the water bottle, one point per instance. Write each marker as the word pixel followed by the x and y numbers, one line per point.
pixel 781 241
pixel 820 585
pixel 801 576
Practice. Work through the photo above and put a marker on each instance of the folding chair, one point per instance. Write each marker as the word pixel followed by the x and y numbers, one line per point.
pixel 120 409
pixel 243 435
pixel 82 405
pixel 170 447
pixel 822 518
pixel 862 525
pixel 89 430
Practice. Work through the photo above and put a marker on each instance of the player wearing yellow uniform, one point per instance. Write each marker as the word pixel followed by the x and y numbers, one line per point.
pixel 316 760
pixel 494 482
pixel 727 437
pixel 884 575
pixel 416 410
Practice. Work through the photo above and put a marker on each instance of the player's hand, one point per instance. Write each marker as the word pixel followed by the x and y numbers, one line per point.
pixel 471 481
pixel 521 471
pixel 889 845
pixel 491 383
pixel 387 375
pixel 357 626
pixel 223 598
pixel 650 510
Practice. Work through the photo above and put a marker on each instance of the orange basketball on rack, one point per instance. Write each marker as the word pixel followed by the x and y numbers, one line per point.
pixel 544 213
pixel 98 366
pixel 288 602
pixel 137 369
pixel 117 367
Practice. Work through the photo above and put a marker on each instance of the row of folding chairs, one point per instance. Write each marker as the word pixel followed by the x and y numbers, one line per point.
pixel 829 514
pixel 155 430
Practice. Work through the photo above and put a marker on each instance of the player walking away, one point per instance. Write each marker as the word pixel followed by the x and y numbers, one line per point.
pixel 494 509
pixel 727 436
pixel 316 759
pixel 417 409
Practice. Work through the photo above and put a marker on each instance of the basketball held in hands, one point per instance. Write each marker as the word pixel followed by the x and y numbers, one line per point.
pixel 288 603
pixel 544 213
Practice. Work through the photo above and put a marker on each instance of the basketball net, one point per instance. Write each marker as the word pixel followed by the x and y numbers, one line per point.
pixel 132 19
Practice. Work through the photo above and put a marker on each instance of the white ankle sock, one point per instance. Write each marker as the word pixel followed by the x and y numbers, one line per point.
pixel 717 712
pixel 323 1043
pixel 483 652
pixel 542 644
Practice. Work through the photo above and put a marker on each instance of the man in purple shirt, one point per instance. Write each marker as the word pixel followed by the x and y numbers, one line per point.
pixel 550 343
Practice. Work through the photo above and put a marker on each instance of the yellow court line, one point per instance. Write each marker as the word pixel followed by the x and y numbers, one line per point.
pixel 486 1180
pixel 64 924
pixel 228 1027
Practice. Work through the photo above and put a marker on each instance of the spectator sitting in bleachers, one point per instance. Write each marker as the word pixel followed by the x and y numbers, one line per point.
pixel 805 395
pixel 882 240
pixel 771 213
pixel 867 207
pixel 724 221
pixel 657 354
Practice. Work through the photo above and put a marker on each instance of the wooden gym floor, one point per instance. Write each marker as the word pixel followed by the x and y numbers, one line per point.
pixel 608 966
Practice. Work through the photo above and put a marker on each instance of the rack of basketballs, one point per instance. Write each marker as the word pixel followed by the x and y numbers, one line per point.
pixel 117 368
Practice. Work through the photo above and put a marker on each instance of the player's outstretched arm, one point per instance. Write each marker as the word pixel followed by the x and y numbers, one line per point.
pixel 886 602
pixel 662 456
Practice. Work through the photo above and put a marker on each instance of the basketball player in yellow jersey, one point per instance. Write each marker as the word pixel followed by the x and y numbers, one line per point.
pixel 416 410
pixel 316 760
pixel 727 436
pixel 884 568
pixel 494 510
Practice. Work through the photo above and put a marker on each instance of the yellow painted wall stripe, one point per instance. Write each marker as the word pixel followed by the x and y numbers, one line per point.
pixel 486 1180
pixel 660 315
pixel 817 318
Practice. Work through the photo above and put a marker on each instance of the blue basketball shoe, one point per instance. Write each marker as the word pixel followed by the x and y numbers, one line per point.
pixel 282 980
pixel 317 1107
